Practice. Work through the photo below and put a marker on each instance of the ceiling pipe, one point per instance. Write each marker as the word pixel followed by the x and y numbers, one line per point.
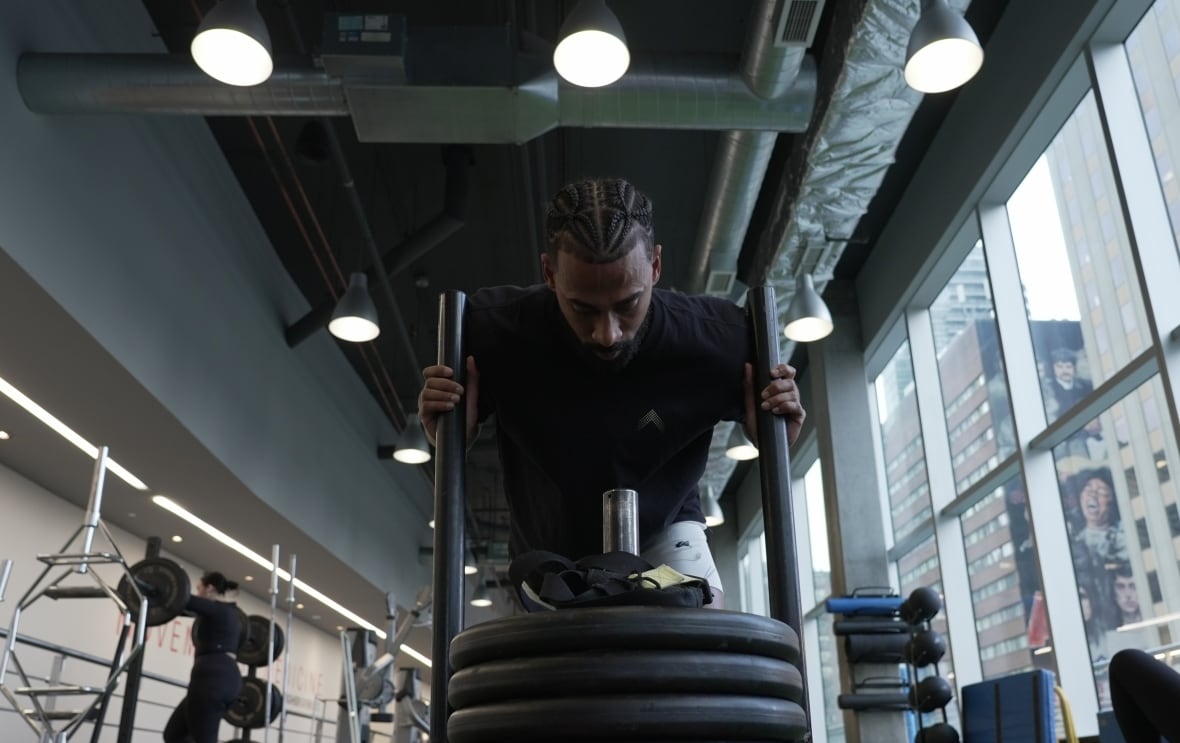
pixel 384 266
pixel 665 93
pixel 167 84
pixel 769 69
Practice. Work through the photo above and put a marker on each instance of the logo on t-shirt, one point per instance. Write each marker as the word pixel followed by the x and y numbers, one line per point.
pixel 653 418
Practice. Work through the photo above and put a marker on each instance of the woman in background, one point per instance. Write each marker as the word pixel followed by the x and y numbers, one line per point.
pixel 215 681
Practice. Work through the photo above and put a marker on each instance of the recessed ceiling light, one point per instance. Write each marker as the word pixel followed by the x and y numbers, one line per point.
pixel 177 538
pixel 298 606
pixel 340 628
pixel 248 578
pixel 67 433
pixel 4 436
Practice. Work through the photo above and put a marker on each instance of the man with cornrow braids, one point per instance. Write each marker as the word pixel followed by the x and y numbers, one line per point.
pixel 598 380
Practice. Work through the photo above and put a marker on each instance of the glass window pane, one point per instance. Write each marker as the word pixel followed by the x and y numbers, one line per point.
pixel 971 371
pixel 752 567
pixel 1119 504
pixel 817 530
pixel 1153 51
pixel 1081 294
pixel 901 439
pixel 828 669
pixel 1002 568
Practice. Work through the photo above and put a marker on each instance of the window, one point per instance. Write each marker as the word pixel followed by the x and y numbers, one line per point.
pixel 1153 55
pixel 1123 581
pixel 901 441
pixel 971 371
pixel 1003 572
pixel 1082 300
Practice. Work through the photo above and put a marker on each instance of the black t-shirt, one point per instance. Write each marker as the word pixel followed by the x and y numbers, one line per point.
pixel 219 630
pixel 568 431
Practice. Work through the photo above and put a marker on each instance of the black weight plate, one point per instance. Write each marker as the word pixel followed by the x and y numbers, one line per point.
pixel 630 672
pixel 252 652
pixel 248 711
pixel 165 584
pixel 624 628
pixel 682 717
pixel 243 626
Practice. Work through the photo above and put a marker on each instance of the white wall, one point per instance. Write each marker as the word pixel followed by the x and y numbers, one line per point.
pixel 34 521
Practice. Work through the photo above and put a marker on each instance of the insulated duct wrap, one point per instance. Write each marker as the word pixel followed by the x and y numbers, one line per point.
pixel 831 181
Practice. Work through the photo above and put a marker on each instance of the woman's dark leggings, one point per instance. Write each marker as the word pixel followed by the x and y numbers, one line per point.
pixel 213 686
pixel 1145 694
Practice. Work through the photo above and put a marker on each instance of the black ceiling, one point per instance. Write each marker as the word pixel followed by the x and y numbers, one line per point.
pixel 302 198
pixel 303 205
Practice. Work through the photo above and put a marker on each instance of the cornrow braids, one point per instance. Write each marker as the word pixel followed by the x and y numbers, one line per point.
pixel 596 218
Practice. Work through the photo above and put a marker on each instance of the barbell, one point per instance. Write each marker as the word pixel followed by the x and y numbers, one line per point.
pixel 163 583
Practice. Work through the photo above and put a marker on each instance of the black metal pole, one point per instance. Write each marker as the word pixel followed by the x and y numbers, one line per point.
pixel 774 464
pixel 449 484
pixel 104 703
pixel 135 669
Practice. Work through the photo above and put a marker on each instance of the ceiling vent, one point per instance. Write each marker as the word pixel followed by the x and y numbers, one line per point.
pixel 797 21
pixel 720 283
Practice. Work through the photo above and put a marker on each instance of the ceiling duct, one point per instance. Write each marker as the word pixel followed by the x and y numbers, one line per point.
pixel 665 93
pixel 780 33
pixel 835 169
pixel 834 176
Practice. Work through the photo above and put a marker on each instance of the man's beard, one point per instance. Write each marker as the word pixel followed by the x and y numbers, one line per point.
pixel 627 350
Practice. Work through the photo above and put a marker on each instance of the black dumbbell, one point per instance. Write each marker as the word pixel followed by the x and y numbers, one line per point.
pixel 921 606
pixel 938 733
pixel 930 694
pixel 925 647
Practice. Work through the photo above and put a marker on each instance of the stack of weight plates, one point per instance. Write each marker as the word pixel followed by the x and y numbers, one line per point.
pixel 626 673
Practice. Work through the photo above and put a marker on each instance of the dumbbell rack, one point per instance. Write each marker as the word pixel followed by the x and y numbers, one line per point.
pixel 878 627
pixel 49 723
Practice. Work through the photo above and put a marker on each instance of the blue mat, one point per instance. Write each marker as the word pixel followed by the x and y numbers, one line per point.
pixel 1013 709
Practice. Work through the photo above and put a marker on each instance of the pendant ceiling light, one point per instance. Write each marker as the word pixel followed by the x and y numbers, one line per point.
pixel 412 446
pixel 739 447
pixel 355 316
pixel 592 50
pixel 808 318
pixel 232 44
pixel 481 597
pixel 712 508
pixel 943 52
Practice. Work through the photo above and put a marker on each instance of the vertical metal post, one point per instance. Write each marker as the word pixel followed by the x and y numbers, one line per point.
pixel 287 661
pixel 5 574
pixel 620 522
pixel 94 507
pixel 449 484
pixel 55 667
pixel 354 733
pixel 270 641
pixel 775 468
pixel 135 667
pixel 104 703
